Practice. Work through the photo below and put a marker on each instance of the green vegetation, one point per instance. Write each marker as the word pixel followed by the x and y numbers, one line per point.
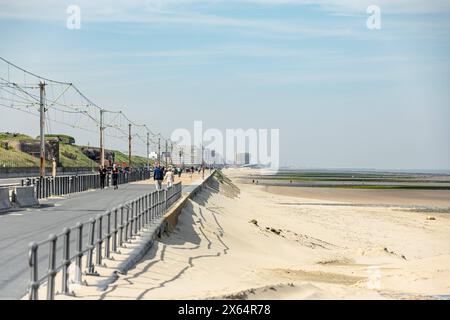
pixel 361 180
pixel 137 160
pixel 219 176
pixel 13 158
pixel 387 187
pixel 14 136
pixel 353 177
pixel 70 155
pixel 62 137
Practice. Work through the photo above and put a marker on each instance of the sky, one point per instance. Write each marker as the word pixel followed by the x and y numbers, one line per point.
pixel 342 96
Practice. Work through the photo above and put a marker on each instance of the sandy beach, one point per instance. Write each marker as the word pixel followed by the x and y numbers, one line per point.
pixel 369 196
pixel 242 241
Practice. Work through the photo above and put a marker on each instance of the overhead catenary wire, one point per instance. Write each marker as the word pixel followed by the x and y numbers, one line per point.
pixel 67 106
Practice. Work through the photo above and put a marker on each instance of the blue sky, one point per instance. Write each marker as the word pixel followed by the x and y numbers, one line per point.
pixel 342 96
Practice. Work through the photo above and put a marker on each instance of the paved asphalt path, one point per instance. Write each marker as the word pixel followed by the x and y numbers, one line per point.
pixel 18 228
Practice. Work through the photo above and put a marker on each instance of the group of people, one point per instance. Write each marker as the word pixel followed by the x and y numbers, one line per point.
pixel 114 175
pixel 160 173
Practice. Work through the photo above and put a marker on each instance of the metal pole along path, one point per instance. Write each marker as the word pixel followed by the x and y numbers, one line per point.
pixel 33 263
pixel 42 128
pixel 66 261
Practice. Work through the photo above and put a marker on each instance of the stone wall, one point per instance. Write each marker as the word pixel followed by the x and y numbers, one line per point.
pixel 94 154
pixel 33 148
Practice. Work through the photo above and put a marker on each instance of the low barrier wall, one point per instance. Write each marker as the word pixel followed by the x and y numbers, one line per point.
pixel 171 218
pixel 5 202
pixel 25 196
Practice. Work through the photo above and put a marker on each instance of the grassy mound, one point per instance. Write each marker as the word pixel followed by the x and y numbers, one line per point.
pixel 71 156
pixel 13 158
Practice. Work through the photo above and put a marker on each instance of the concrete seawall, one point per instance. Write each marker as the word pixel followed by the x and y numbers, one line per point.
pixel 171 218
pixel 166 225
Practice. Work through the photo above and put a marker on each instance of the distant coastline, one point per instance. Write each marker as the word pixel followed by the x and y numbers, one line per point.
pixel 368 170
pixel 353 179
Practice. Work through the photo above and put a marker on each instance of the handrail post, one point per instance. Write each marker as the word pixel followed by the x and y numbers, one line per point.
pixel 108 235
pixel 152 215
pixel 141 206
pixel 165 200
pixel 66 261
pixel 33 263
pixel 130 224
pixel 79 257
pixel 121 227
pixel 114 240
pixel 89 261
pixel 136 217
pixel 151 208
pixel 51 268
pixel 99 240
pixel 127 222
pixel 146 209
pixel 158 203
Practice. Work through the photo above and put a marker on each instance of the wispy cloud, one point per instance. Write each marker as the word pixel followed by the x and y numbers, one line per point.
pixel 190 12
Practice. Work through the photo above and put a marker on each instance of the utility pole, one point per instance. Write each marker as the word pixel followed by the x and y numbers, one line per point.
pixel 203 162
pixel 166 154
pixel 148 150
pixel 159 149
pixel 129 146
pixel 102 146
pixel 42 128
pixel 171 152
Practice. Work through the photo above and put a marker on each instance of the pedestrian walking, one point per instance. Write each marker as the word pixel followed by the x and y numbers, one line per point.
pixel 102 172
pixel 158 176
pixel 53 167
pixel 115 177
pixel 169 178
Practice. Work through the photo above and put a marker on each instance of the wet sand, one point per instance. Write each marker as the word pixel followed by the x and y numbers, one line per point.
pixel 438 198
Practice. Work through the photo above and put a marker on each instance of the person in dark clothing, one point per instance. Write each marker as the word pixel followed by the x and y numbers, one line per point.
pixel 102 172
pixel 158 176
pixel 115 177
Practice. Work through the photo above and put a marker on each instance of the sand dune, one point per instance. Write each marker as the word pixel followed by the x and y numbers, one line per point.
pixel 237 241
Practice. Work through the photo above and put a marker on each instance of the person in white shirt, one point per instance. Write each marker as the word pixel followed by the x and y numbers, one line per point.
pixel 169 178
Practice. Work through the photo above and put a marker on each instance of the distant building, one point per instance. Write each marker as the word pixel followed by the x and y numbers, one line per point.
pixel 192 155
pixel 242 158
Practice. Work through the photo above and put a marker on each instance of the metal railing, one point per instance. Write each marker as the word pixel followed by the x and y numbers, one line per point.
pixel 98 237
pixel 63 185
